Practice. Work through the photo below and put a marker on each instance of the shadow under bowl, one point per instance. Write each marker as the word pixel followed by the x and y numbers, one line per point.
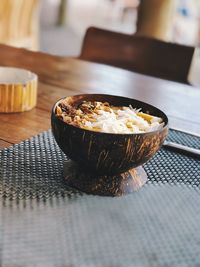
pixel 107 154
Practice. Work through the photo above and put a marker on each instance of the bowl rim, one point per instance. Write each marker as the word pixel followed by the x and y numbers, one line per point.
pixel 166 126
pixel 27 75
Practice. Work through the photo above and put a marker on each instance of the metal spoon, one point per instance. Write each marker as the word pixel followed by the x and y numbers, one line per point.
pixel 182 148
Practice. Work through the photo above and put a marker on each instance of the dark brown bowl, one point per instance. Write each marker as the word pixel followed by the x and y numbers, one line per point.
pixel 108 153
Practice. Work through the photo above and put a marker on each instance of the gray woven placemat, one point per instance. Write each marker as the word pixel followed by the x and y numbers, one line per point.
pixel 44 223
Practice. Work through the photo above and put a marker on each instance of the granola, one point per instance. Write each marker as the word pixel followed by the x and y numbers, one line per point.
pixel 103 117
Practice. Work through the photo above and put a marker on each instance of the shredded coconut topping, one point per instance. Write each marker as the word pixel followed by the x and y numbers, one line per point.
pixel 102 117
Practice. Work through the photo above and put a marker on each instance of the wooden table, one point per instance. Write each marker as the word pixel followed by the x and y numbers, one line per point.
pixel 60 76
pixel 45 223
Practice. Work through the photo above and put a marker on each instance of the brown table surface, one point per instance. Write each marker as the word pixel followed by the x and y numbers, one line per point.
pixel 62 76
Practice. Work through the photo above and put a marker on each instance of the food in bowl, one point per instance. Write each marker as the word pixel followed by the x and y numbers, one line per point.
pixel 106 153
pixel 104 117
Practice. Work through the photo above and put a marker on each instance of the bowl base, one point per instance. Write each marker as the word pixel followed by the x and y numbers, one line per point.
pixel 104 185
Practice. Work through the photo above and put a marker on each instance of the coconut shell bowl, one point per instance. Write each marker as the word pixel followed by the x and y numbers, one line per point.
pixel 107 164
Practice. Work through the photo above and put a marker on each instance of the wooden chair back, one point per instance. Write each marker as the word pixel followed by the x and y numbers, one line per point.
pixel 19 22
pixel 139 54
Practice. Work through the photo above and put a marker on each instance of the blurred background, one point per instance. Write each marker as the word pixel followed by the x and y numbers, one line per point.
pixel 58 26
pixel 63 22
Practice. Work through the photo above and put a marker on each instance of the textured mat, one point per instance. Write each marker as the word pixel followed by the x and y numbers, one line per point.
pixel 44 223
pixel 34 168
